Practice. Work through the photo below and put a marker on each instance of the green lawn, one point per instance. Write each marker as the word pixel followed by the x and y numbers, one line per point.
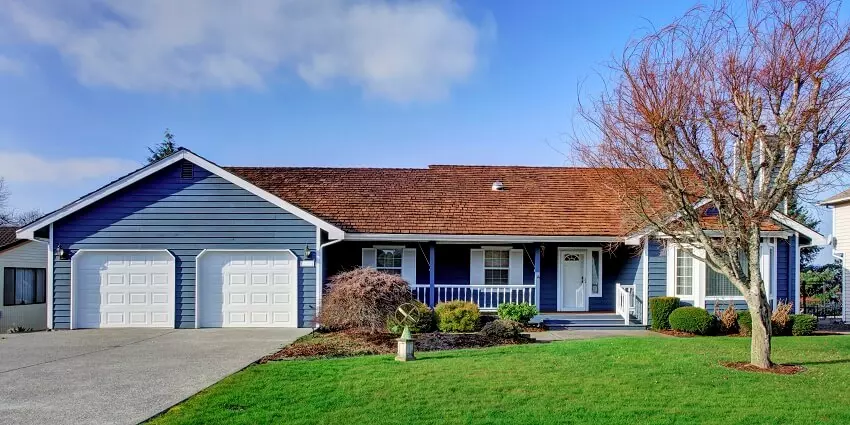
pixel 612 380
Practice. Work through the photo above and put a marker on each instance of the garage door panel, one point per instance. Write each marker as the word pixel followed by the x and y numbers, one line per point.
pixel 250 290
pixel 127 289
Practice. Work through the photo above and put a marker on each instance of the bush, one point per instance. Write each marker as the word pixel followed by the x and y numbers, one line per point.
pixel 727 320
pixel 426 322
pixel 780 320
pixel 693 320
pixel 803 324
pixel 502 328
pixel 457 316
pixel 745 323
pixel 660 309
pixel 364 299
pixel 522 312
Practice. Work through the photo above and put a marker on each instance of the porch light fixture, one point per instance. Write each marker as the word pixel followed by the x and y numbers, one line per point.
pixel 62 253
pixel 308 253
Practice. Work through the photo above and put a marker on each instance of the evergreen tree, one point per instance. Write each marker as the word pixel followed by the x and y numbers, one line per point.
pixel 799 213
pixel 164 148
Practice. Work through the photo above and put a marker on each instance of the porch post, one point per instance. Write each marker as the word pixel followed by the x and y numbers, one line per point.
pixel 431 289
pixel 537 276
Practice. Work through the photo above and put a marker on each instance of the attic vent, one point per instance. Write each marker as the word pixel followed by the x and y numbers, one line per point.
pixel 497 186
pixel 187 171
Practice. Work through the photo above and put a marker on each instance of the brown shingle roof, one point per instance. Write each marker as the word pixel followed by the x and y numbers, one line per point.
pixel 449 199
pixel 7 236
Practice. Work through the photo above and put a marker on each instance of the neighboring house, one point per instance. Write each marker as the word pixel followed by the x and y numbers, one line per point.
pixel 840 205
pixel 185 243
pixel 23 276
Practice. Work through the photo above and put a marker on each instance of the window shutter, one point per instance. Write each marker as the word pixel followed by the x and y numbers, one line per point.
pixel 8 286
pixel 408 265
pixel 476 267
pixel 515 273
pixel 370 257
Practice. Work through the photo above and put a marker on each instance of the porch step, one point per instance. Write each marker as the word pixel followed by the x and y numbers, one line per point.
pixel 588 321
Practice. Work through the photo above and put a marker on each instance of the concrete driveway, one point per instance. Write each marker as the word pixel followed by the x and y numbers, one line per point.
pixel 120 375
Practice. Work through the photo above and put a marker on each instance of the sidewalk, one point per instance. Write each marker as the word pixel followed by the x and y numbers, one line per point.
pixel 589 334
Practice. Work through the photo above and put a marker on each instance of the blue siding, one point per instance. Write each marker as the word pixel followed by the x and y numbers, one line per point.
pixel 184 216
pixel 657 269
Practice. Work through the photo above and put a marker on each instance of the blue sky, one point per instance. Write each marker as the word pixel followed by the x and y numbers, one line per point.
pixel 88 85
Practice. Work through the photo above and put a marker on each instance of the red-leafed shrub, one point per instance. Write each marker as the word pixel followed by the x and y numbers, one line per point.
pixel 363 299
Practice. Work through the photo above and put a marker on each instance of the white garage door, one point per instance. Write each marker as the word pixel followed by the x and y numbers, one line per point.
pixel 123 289
pixel 247 289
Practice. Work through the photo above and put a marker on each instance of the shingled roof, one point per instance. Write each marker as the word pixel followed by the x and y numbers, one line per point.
pixel 449 199
pixel 7 236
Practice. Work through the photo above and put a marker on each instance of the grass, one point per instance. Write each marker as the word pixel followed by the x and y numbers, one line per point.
pixel 612 380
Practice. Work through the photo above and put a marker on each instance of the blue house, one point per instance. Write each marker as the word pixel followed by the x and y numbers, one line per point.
pixel 186 243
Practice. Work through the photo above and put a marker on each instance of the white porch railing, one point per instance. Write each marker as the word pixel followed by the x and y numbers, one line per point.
pixel 487 297
pixel 625 301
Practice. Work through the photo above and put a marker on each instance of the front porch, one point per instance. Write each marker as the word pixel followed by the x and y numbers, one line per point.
pixel 557 278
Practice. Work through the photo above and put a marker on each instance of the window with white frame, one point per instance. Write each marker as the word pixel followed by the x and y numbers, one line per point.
pixel 389 260
pixel 684 272
pixel 497 266
pixel 23 286
pixel 595 273
pixel 718 285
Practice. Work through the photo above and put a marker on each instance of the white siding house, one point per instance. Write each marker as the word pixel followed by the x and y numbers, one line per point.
pixel 841 243
pixel 27 263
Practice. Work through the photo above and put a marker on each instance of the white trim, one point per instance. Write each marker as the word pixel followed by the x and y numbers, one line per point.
pixel 28 232
pixel 198 275
pixel 817 238
pixel 457 238
pixel 797 279
pixel 50 282
pixel 560 263
pixel 320 270
pixel 829 203
pixel 173 288
pixel 645 260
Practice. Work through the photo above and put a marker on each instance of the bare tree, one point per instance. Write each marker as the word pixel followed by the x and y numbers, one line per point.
pixel 11 217
pixel 737 113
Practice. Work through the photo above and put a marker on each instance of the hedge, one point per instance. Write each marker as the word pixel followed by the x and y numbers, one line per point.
pixel 522 312
pixel 693 320
pixel 660 309
pixel 457 316
pixel 803 324
pixel 745 323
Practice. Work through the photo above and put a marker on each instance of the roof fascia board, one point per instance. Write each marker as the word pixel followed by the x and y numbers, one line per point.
pixel 28 232
pixel 455 238
pixel 817 238
pixel 832 202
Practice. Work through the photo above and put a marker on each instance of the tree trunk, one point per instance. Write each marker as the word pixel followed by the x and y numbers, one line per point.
pixel 761 332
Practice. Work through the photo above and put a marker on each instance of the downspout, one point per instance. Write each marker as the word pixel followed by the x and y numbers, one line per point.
pixel 320 275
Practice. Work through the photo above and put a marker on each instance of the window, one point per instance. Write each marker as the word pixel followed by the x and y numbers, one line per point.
pixel 717 285
pixel 23 286
pixel 684 272
pixel 497 264
pixel 595 273
pixel 389 260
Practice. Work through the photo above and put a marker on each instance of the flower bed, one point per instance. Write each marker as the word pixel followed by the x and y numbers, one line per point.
pixel 321 344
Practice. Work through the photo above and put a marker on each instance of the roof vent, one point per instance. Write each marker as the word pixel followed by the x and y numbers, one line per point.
pixel 497 186
pixel 187 171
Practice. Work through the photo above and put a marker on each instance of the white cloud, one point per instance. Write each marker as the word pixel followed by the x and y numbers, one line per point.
pixel 10 66
pixel 20 167
pixel 402 51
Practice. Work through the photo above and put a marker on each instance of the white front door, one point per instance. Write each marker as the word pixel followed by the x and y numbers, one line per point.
pixel 120 289
pixel 572 293
pixel 247 289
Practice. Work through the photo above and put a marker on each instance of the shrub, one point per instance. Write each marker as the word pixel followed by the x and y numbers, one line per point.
pixel 502 328
pixel 780 320
pixel 727 320
pixel 693 320
pixel 522 312
pixel 745 323
pixel 803 324
pixel 457 316
pixel 364 299
pixel 426 322
pixel 660 309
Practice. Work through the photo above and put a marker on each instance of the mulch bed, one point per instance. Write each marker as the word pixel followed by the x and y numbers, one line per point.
pixel 357 343
pixel 675 333
pixel 779 369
